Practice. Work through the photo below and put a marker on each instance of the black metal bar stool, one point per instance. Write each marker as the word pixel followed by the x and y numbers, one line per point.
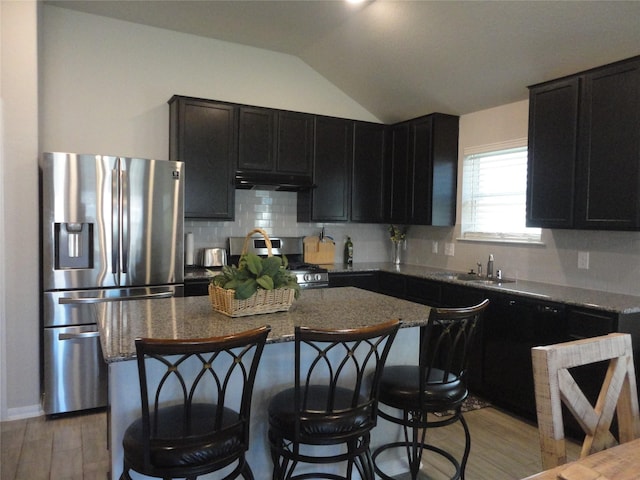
pixel 436 385
pixel 328 415
pixel 196 404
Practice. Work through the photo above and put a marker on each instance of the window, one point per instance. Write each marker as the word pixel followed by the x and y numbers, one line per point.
pixel 494 186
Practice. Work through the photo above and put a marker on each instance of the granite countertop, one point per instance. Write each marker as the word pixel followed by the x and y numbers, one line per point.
pixel 581 297
pixel 193 317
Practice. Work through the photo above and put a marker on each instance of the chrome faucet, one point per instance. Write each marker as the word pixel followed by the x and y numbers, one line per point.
pixel 490 266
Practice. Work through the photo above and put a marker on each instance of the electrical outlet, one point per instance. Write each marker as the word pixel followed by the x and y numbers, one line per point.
pixel 449 249
pixel 434 247
pixel 583 260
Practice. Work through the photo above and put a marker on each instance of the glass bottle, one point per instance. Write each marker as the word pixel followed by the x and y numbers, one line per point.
pixel 348 251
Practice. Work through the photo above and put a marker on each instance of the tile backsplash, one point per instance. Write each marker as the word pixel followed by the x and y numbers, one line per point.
pixel 276 213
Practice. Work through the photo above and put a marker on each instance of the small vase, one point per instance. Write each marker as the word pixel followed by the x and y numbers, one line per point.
pixel 396 252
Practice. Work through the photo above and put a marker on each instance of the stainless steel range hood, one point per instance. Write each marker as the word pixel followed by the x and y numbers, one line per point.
pixel 272 181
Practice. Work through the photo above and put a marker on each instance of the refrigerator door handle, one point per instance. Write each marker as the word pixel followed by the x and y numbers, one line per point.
pixel 115 223
pixel 85 300
pixel 124 218
pixel 77 336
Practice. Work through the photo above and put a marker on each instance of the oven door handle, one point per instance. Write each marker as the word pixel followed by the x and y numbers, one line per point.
pixel 77 336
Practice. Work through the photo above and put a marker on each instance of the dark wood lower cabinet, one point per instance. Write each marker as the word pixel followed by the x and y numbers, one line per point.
pixel 500 367
pixel 364 280
pixel 194 288
pixel 393 284
pixel 427 292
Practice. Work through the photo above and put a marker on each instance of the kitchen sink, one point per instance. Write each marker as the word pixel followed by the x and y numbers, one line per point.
pixel 490 281
pixel 472 277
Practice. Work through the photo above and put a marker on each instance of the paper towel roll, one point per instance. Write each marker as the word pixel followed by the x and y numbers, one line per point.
pixel 188 250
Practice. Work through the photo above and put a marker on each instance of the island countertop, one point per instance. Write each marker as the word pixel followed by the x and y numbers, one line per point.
pixel 121 322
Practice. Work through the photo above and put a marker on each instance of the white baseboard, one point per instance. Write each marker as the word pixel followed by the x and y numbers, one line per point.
pixel 19 413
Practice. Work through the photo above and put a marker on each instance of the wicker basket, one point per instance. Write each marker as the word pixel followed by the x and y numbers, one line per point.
pixel 263 301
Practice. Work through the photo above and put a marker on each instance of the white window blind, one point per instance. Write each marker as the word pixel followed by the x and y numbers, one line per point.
pixel 494 186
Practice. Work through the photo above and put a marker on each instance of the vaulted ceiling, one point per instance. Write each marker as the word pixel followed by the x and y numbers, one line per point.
pixel 401 59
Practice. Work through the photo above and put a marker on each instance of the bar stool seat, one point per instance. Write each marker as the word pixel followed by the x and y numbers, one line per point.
pixel 283 418
pixel 187 455
pixel 400 383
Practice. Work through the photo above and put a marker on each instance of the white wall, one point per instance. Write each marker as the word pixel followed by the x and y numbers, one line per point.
pixel 19 188
pixel 106 83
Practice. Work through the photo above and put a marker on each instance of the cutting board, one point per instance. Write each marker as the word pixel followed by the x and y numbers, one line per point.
pixel 317 252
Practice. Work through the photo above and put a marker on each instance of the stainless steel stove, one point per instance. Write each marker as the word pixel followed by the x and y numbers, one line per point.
pixel 308 275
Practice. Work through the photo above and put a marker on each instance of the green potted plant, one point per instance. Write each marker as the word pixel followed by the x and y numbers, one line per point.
pixel 253 273
pixel 398 236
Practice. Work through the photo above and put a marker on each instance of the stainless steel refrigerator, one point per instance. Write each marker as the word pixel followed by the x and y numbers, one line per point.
pixel 112 229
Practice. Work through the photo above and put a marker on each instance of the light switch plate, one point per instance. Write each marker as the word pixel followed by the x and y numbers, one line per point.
pixel 434 247
pixel 583 260
pixel 449 249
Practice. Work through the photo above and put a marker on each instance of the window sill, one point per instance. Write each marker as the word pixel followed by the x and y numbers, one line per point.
pixel 507 241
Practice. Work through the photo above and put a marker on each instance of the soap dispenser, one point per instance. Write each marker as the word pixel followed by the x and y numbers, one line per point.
pixel 490 266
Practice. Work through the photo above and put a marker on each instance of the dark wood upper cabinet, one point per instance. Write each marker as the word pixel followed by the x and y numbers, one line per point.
pixel 202 134
pixel 367 200
pixel 396 174
pixel 275 141
pixel 421 171
pixel 256 135
pixel 584 150
pixel 433 181
pixel 553 127
pixel 332 160
pixel 343 170
pixel 294 141
pixel 608 173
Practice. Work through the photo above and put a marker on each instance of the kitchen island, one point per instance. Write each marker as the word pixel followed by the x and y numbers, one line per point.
pixel 120 322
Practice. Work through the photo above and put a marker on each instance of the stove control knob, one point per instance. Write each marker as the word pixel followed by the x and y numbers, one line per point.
pixel 318 276
pixel 307 277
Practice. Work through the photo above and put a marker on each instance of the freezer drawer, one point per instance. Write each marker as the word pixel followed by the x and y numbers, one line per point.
pixel 75 373
pixel 75 307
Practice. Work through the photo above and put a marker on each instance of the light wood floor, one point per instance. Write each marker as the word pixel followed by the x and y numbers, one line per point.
pixel 503 448
pixel 66 448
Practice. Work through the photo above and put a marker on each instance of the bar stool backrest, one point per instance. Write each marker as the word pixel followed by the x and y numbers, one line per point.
pixel 445 343
pixel 209 382
pixel 337 373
